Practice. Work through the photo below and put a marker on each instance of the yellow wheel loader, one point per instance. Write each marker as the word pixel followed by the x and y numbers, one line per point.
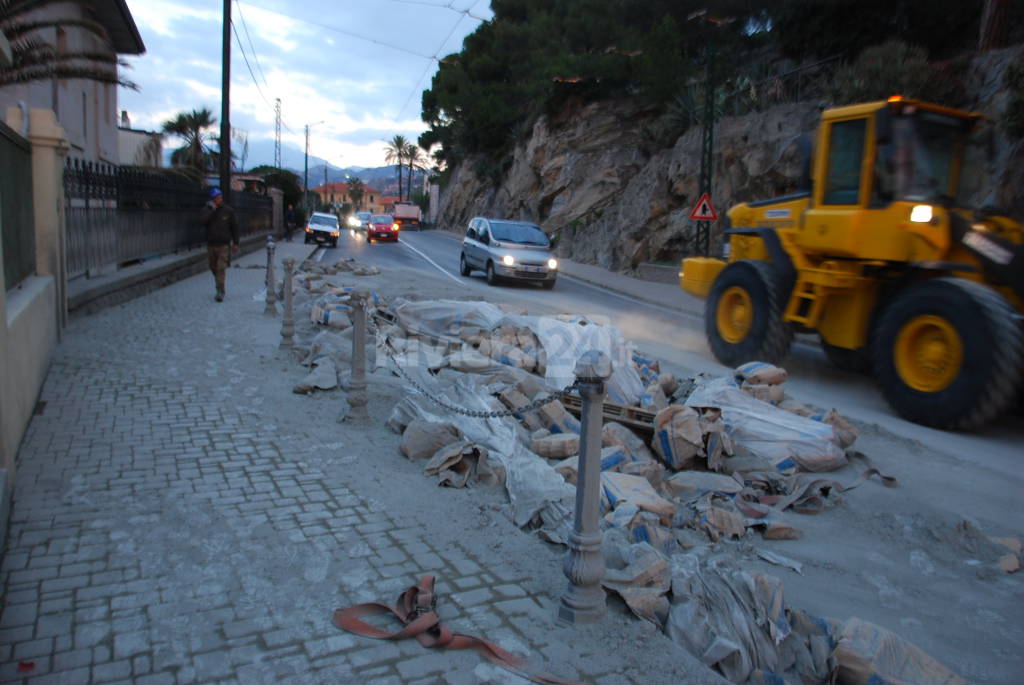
pixel 884 260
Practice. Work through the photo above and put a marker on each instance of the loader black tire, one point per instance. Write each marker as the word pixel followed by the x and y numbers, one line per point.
pixel 851 361
pixel 769 337
pixel 988 377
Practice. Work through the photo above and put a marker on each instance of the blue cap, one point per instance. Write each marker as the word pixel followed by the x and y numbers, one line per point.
pixel 215 192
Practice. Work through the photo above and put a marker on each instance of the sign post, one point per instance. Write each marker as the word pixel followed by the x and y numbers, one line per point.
pixel 704 213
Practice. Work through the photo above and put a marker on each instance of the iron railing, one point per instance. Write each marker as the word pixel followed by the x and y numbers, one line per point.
pixel 122 214
pixel 16 215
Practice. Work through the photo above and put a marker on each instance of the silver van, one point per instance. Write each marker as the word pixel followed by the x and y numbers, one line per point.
pixel 514 250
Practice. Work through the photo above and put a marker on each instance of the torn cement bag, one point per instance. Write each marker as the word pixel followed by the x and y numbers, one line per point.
pixel 669 384
pixel 508 354
pixel 653 397
pixel 642 582
pixel 422 438
pixel 333 317
pixel 458 464
pixel 773 394
pixel 622 487
pixel 760 373
pixel 787 440
pixel 556 446
pixel 846 434
pixel 869 654
pixel 556 419
pixel 730 619
pixel 324 376
pixel 648 367
pixel 469 360
pixel 693 483
pixel 642 526
pixel 532 485
pixel 513 399
pixel 625 385
pixel 678 439
pixel 613 434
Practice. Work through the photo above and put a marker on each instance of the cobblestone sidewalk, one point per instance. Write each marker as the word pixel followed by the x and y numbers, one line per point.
pixel 163 530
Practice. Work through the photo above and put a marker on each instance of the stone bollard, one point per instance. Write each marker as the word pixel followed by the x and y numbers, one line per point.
pixel 584 599
pixel 271 307
pixel 287 321
pixel 357 382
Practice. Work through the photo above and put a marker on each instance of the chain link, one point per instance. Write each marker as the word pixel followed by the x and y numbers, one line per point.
pixel 474 413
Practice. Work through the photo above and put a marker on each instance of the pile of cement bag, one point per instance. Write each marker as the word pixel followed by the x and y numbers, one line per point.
pixel 727 456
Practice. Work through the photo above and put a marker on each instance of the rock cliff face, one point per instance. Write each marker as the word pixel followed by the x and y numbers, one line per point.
pixel 617 188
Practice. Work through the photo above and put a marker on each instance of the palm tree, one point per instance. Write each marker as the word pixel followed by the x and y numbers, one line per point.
pixel 394 153
pixel 415 159
pixel 355 192
pixel 191 127
pixel 33 59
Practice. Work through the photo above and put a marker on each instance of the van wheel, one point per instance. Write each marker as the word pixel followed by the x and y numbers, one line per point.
pixel 743 317
pixel 464 267
pixel 492 278
pixel 949 353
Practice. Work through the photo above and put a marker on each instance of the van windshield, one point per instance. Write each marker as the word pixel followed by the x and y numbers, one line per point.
pixel 319 220
pixel 514 232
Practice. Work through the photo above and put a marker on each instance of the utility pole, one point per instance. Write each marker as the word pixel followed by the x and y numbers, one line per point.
pixel 277 133
pixel 305 176
pixel 707 147
pixel 225 106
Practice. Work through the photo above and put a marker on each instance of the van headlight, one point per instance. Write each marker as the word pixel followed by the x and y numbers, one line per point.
pixel 552 264
pixel 508 260
pixel 921 214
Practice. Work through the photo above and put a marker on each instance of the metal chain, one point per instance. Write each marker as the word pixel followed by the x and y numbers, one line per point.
pixel 477 414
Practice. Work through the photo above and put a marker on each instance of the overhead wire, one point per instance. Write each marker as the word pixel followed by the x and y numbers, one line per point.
pixel 252 48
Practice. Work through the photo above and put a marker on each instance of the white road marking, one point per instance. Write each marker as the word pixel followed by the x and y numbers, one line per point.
pixel 320 252
pixel 436 265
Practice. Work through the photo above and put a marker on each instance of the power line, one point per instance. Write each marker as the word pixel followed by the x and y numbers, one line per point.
pixel 248 66
pixel 350 34
pixel 252 48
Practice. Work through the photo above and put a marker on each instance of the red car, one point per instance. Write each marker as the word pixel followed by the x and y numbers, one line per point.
pixel 382 227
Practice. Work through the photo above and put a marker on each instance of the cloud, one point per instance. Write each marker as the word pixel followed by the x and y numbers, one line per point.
pixel 345 64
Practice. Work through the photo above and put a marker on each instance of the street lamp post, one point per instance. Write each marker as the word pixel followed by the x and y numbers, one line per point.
pixel 305 175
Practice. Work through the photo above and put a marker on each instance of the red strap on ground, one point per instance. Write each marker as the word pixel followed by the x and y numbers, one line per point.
pixel 415 611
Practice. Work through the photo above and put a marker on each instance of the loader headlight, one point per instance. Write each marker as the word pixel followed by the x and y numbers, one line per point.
pixel 508 260
pixel 921 214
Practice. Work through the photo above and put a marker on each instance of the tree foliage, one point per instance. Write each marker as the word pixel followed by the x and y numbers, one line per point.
pixel 287 181
pixel 35 59
pixel 193 128
pixel 549 56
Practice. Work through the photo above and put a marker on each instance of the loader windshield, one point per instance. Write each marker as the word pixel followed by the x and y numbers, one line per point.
pixel 925 158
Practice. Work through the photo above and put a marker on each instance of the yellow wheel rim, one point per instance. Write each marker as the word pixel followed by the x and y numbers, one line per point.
pixel 929 353
pixel 735 314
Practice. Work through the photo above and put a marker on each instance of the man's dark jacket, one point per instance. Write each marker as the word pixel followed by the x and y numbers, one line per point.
pixel 221 225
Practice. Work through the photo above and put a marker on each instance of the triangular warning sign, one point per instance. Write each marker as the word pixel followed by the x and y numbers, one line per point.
pixel 704 211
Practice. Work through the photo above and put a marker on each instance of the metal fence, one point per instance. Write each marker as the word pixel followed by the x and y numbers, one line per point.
pixel 16 215
pixel 119 214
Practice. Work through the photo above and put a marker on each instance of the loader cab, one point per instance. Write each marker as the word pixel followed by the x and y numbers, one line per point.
pixel 874 164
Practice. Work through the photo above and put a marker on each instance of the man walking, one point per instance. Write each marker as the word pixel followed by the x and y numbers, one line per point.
pixel 221 231
pixel 289 220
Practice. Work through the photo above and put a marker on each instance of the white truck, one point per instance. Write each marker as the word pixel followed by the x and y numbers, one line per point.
pixel 407 215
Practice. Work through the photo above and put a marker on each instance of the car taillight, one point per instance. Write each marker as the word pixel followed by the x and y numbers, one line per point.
pixel 394 227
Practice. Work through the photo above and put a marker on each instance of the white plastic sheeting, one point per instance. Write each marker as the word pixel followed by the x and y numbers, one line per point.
pixel 787 440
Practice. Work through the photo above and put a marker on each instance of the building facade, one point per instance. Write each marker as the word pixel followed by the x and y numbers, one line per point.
pixel 86 110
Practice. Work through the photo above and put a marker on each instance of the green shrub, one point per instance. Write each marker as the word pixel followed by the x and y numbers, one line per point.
pixel 897 68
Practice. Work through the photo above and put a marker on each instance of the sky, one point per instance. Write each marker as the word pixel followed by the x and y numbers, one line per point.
pixel 353 69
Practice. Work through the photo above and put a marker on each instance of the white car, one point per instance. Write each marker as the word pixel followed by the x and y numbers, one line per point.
pixel 323 228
